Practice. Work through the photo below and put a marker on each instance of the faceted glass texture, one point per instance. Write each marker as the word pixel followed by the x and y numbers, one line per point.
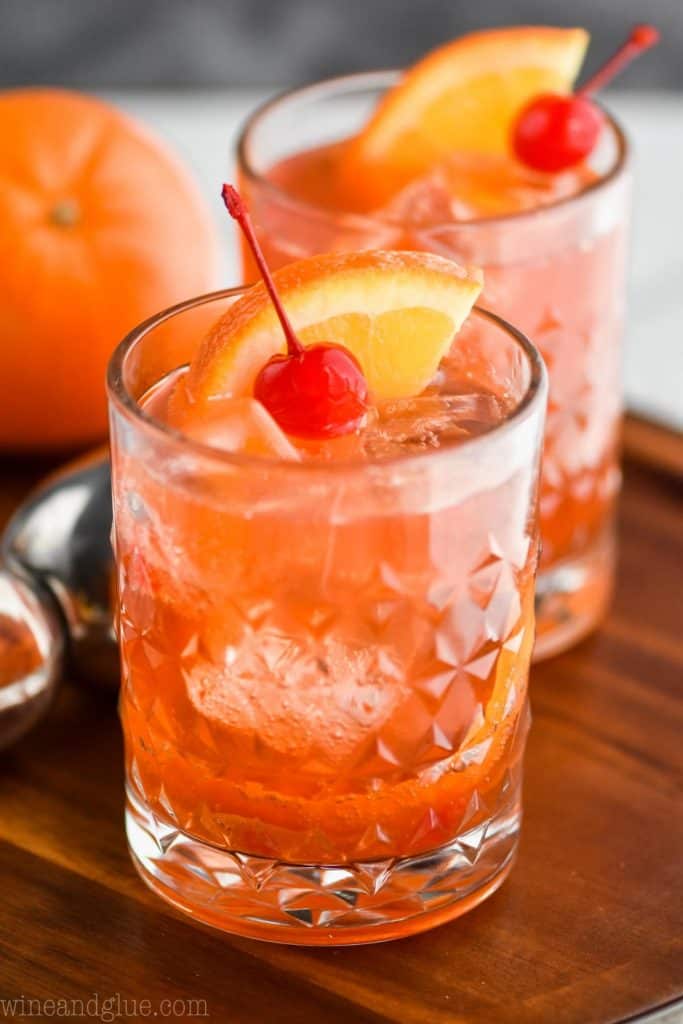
pixel 324 691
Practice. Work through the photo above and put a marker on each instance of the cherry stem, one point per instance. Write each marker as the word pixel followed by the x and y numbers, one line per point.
pixel 642 37
pixel 238 211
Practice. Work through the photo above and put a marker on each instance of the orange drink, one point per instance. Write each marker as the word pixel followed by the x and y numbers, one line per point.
pixel 325 640
pixel 424 161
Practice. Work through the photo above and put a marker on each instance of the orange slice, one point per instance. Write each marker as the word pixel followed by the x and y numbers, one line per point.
pixel 462 97
pixel 397 312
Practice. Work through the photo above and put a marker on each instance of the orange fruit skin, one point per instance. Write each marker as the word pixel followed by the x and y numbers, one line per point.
pixel 100 227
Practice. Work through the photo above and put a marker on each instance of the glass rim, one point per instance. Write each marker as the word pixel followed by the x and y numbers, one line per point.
pixel 121 397
pixel 387 76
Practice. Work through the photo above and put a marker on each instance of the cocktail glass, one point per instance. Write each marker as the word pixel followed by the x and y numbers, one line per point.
pixel 556 271
pixel 324 692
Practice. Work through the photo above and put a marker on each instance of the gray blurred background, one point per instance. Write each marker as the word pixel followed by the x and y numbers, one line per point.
pixel 184 43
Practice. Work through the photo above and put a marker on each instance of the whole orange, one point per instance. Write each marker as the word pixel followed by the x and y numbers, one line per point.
pixel 100 226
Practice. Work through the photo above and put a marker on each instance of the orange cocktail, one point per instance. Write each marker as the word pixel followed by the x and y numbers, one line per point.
pixel 323 173
pixel 325 643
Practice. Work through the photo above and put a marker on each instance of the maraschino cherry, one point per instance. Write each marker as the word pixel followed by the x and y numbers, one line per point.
pixel 555 132
pixel 316 392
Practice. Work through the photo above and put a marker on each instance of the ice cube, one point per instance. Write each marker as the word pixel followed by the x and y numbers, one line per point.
pixel 425 202
pixel 410 425
pixel 493 185
pixel 240 425
pixel 469 186
pixel 312 704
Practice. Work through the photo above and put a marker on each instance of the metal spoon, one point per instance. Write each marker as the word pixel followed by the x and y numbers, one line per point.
pixel 56 587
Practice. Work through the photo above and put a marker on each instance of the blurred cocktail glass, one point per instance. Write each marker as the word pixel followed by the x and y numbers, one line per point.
pixel 555 267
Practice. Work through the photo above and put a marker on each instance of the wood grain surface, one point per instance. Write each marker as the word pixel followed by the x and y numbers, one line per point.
pixel 587 930
pixel 654 445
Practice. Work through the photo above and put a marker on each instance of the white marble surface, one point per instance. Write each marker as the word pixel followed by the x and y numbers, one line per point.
pixel 202 127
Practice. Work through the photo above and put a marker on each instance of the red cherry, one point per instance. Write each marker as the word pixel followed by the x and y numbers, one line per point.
pixel 313 392
pixel 317 394
pixel 554 132
pixel 645 36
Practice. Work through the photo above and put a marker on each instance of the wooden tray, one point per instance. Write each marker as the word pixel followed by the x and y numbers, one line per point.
pixel 587 930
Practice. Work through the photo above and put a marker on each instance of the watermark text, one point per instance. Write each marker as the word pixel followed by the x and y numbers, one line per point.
pixel 106 1009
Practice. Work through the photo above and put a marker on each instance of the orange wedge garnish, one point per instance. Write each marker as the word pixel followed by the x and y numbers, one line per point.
pixel 396 312
pixel 463 98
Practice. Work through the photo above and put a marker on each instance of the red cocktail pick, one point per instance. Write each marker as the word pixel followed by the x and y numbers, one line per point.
pixel 554 132
pixel 314 392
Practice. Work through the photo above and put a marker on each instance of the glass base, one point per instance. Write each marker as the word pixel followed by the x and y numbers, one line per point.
pixel 322 905
pixel 573 596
